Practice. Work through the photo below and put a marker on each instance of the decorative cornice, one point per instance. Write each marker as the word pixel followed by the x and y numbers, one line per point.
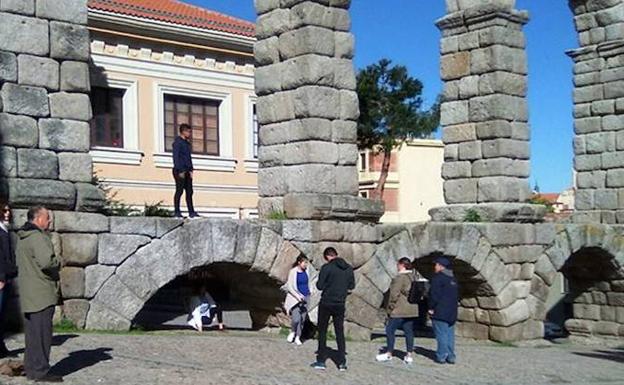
pixel 606 49
pixel 146 54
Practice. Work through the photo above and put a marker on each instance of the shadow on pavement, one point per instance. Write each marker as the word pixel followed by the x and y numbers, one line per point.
pixel 81 359
pixel 616 355
pixel 420 351
pixel 57 340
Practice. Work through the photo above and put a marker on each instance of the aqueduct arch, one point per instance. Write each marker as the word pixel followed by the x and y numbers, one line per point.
pixel 123 289
pixel 308 110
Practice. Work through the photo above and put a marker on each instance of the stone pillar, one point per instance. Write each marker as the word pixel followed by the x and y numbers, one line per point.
pixel 44 105
pixel 307 111
pixel 599 110
pixel 484 115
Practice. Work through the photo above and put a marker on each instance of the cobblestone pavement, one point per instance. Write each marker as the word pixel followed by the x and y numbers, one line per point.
pixel 259 359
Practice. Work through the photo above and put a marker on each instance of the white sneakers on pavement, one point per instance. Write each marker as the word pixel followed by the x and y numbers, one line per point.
pixel 298 341
pixel 383 357
pixel 408 360
pixel 291 338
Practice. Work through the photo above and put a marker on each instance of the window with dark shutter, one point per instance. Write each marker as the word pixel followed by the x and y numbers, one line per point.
pixel 203 117
pixel 107 122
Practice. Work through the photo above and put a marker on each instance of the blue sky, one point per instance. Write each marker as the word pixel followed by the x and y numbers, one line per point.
pixel 404 31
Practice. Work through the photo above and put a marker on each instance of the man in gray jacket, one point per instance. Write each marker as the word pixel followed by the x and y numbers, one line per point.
pixel 38 276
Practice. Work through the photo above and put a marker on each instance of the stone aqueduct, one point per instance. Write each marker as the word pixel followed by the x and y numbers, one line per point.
pixel 307 108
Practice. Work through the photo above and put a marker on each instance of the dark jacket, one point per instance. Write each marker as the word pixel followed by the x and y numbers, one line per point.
pixel 8 269
pixel 444 297
pixel 335 281
pixel 182 161
pixel 38 269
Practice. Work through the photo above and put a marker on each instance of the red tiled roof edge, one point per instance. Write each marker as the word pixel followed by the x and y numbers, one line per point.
pixel 176 12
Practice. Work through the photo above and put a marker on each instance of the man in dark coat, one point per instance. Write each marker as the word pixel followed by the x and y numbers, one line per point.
pixel 8 269
pixel 335 281
pixel 443 299
pixel 183 171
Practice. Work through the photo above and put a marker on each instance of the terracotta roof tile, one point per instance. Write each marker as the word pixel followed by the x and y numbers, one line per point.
pixel 176 12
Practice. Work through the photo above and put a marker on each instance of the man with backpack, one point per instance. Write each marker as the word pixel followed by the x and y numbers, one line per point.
pixel 406 290
pixel 443 299
pixel 335 281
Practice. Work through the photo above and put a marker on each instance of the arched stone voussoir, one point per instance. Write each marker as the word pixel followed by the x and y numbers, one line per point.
pixel 366 290
pixel 439 237
pixel 587 235
pixel 560 250
pixel 116 296
pixel 389 252
pixel 224 238
pixel 283 263
pixel 494 274
pixel 376 273
pixel 247 240
pixel 100 317
pixel 268 247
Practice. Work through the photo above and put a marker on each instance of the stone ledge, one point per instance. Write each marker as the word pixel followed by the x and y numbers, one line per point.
pixel 490 212
pixel 326 206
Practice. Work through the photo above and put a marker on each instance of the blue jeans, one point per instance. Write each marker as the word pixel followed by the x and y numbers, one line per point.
pixel 445 337
pixel 407 324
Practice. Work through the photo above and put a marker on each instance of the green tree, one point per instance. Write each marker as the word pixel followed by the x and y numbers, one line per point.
pixel 391 112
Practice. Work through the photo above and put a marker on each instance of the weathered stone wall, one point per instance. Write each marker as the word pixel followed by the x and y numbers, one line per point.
pixel 307 110
pixel 113 266
pixel 44 105
pixel 484 115
pixel 599 110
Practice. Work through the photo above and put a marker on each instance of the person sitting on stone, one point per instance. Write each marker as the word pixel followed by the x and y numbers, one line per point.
pixel 203 306
pixel 401 313
pixel 297 297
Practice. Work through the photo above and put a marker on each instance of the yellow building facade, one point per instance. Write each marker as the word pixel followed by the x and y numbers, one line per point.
pixel 155 65
pixel 147 77
pixel 414 183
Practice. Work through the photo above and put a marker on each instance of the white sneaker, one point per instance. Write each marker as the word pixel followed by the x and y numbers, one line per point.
pixel 383 357
pixel 290 338
pixel 192 324
pixel 298 341
pixel 408 360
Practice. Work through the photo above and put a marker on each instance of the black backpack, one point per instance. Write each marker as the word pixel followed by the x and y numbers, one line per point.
pixel 418 290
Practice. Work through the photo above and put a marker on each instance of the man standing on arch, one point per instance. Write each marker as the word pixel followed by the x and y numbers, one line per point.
pixel 183 170
pixel 335 281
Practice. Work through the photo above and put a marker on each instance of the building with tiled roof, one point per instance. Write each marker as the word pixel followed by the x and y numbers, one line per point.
pixel 157 64
pixel 175 12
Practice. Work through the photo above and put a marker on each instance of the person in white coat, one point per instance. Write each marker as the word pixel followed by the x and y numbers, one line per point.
pixel 297 297
pixel 202 305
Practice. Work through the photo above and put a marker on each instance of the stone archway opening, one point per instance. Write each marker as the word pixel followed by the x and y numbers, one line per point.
pixel 593 293
pixel 250 300
pixel 473 321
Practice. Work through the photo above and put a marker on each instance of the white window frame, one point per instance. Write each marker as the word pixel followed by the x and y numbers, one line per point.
pixel 130 153
pixel 251 161
pixel 225 161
